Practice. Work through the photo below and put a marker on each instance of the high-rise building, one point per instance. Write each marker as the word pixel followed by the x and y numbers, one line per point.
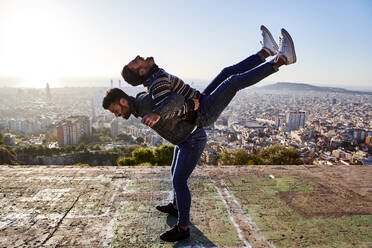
pixel 112 83
pixel 280 120
pixel 70 130
pixel 48 95
pixel 114 128
pixel 93 111
pixel 360 135
pixel 119 83
pixel 295 120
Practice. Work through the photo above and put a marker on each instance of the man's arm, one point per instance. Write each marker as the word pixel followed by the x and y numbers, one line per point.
pixel 169 104
pixel 173 104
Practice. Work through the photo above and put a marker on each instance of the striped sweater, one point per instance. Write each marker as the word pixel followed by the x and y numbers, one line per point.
pixel 161 84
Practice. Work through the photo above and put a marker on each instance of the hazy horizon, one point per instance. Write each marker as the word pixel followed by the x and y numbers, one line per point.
pixel 47 41
pixel 106 82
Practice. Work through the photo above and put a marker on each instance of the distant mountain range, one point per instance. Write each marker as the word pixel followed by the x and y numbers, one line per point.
pixel 282 86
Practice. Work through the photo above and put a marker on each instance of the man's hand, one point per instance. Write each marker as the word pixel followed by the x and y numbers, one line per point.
pixel 150 119
pixel 196 103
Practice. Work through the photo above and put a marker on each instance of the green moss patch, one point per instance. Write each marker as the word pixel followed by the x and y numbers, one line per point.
pixel 284 226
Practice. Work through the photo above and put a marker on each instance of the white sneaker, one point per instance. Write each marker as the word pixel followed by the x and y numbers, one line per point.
pixel 268 43
pixel 286 48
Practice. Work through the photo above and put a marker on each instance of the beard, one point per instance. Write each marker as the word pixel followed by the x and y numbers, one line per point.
pixel 125 113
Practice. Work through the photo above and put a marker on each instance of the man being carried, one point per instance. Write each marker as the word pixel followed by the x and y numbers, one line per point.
pixel 178 112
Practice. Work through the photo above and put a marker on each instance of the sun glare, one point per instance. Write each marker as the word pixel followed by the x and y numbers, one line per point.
pixel 37 49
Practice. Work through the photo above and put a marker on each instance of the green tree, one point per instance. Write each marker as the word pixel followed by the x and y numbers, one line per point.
pixel 226 157
pixel 279 155
pixel 143 155
pixel 356 162
pixel 96 147
pixel 126 138
pixel 127 161
pixel 100 135
pixel 164 154
pixel 237 157
pixel 7 140
pixel 39 150
pixel 104 139
pixel 1 139
pixel 68 149
pixel 7 156
pixel 48 151
pixel 85 139
pixel 81 148
pixel 242 157
pixel 52 137
pixel 139 140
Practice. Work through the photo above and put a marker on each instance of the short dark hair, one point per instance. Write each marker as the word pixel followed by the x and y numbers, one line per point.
pixel 112 96
pixel 132 77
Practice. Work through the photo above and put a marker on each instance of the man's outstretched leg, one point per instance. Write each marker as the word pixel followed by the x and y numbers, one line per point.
pixel 269 48
pixel 211 106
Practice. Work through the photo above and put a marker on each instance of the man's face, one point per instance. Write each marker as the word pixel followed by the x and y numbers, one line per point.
pixel 140 65
pixel 120 108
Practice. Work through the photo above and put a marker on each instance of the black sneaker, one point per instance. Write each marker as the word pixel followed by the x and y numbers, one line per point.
pixel 169 209
pixel 175 234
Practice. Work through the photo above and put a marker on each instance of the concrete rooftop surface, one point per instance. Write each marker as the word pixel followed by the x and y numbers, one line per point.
pixel 232 206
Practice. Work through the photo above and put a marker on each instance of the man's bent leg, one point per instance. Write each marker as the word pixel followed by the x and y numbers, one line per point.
pixel 212 106
pixel 243 66
pixel 189 155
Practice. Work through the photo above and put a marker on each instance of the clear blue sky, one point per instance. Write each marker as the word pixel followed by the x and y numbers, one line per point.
pixel 49 40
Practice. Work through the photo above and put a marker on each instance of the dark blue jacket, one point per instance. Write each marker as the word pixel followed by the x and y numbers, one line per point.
pixel 176 130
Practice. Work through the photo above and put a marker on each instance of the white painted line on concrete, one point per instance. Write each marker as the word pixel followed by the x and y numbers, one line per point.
pixel 18 216
pixel 231 217
pixel 170 196
pixel 110 227
pixel 15 216
pixel 116 191
pixel 5 223
pixel 245 217
pixel 67 178
pixel 47 195
pixel 168 192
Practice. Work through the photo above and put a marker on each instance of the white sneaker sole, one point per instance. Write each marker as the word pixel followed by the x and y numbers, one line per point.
pixel 264 29
pixel 285 33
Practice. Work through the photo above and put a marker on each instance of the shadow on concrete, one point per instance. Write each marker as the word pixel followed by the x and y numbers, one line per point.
pixel 197 238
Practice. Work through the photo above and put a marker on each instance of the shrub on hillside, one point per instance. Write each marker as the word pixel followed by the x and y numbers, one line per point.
pixel 146 156
pixel 127 161
pixel 7 156
pixel 279 155
pixel 236 157
pixel 273 155
pixel 164 154
pixel 143 155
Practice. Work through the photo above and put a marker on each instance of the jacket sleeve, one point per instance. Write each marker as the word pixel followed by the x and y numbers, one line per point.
pixel 169 104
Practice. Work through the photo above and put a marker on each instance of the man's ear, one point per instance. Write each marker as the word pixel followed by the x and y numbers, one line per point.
pixel 123 101
pixel 142 72
pixel 152 61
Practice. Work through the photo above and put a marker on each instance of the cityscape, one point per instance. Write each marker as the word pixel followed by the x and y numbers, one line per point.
pixel 326 127
pixel 284 155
